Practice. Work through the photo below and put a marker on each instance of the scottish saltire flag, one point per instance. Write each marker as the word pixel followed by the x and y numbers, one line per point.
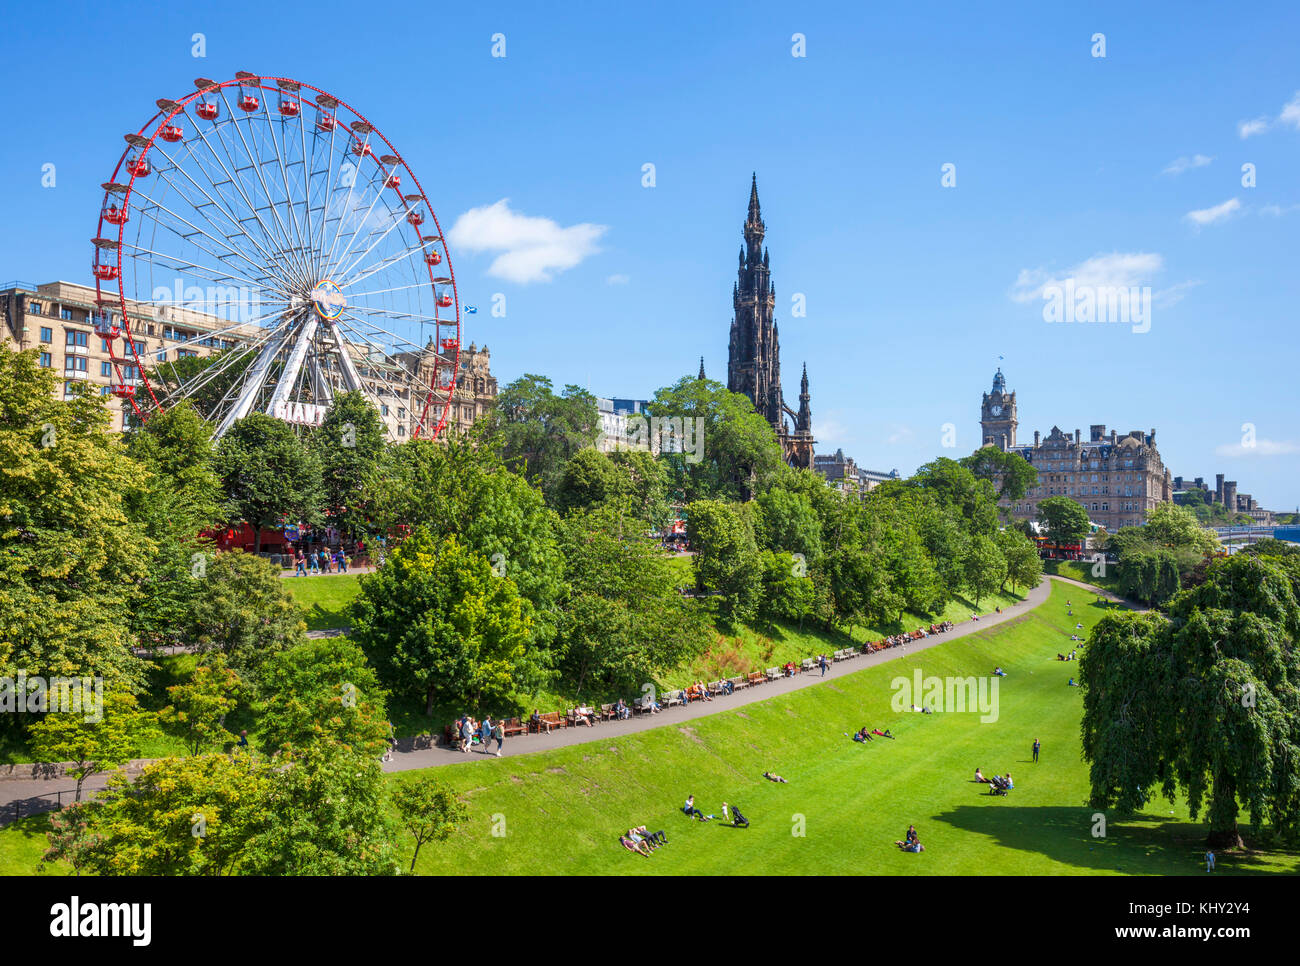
pixel 471 310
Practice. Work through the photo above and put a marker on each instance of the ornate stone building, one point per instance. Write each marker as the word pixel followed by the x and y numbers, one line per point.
pixel 754 355
pixel 1117 479
pixel 476 388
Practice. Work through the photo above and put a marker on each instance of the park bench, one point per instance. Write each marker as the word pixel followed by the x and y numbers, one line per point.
pixel 671 698
pixel 548 722
pixel 606 712
pixel 739 682
pixel 515 726
pixel 774 674
pixel 641 705
pixel 808 664
pixel 842 655
pixel 718 687
pixel 756 677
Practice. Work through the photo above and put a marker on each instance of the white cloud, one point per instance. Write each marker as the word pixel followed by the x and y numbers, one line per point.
pixel 1262 447
pixel 1250 128
pixel 1208 216
pixel 532 248
pixel 1277 211
pixel 1103 273
pixel 899 434
pixel 1290 115
pixel 1179 165
pixel 617 279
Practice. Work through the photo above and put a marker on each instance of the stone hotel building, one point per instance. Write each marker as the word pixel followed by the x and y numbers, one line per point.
pixel 1117 479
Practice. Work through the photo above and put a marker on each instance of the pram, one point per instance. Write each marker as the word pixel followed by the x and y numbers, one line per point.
pixel 998 786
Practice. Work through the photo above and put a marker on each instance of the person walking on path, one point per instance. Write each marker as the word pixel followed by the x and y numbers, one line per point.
pixel 1037 745
pixel 1209 861
pixel 300 562
pixel 499 733
pixel 485 733
pixel 821 663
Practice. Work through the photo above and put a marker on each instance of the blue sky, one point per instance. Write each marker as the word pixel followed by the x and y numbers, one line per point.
pixel 1067 166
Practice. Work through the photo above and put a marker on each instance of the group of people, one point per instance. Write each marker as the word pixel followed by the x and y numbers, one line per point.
pixel 730 813
pixel 469 731
pixel 863 734
pixel 639 839
pixel 896 640
pixel 1066 657
pixel 911 842
pixel 320 561
pixel 1001 784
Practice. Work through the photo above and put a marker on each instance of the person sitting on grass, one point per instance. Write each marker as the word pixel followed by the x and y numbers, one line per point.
pixel 883 734
pixel 1071 684
pixel 774 778
pixel 1007 778
pixel 998 672
pixel 862 735
pixel 690 810
pixel 912 846
pixel 638 847
pixel 979 777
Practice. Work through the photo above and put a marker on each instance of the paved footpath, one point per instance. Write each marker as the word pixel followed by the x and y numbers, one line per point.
pixel 33 795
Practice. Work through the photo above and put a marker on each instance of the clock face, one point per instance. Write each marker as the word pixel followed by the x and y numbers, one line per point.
pixel 997 410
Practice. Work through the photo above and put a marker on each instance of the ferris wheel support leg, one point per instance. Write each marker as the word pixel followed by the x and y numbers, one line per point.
pixel 351 378
pixel 252 385
pixel 293 365
pixel 321 390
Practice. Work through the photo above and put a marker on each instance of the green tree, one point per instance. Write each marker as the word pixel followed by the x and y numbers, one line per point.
pixel 269 476
pixel 92 746
pixel 322 690
pixel 73 557
pixel 324 815
pixel 1024 566
pixel 461 489
pixel 787 590
pixel 198 708
pixel 1206 702
pixel 540 431
pixel 349 445
pixel 179 816
pixel 726 556
pixel 985 568
pixel 243 612
pixel 624 622
pixel 436 621
pixel 738 453
pixel 1010 472
pixel 427 809
pixel 1063 519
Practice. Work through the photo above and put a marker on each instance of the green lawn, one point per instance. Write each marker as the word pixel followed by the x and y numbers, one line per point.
pixel 1081 570
pixel 563 810
pixel 324 599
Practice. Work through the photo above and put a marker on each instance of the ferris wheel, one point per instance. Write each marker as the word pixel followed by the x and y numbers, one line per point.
pixel 281 251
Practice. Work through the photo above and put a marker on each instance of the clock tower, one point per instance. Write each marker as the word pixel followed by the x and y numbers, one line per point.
pixel 998 415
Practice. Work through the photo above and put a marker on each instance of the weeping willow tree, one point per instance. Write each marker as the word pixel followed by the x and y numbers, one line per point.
pixel 1204 702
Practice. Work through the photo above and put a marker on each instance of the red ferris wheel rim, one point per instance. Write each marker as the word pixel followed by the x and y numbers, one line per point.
pixel 162 118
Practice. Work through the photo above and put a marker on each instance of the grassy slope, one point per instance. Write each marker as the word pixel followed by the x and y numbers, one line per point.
pixel 564 809
pixel 1082 571
pixel 324 599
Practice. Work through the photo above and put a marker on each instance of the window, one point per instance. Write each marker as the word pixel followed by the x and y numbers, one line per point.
pixel 105 390
pixel 75 364
pixel 139 347
pixel 1105 506
pixel 185 353
pixel 65 315
pixel 383 409
pixel 46 361
pixel 130 372
pixel 401 430
pixel 103 346
pixel 76 337
pixel 47 334
pixel 106 369
pixel 34 308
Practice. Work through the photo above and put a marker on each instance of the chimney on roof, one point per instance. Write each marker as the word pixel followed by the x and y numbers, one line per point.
pixel 1036 435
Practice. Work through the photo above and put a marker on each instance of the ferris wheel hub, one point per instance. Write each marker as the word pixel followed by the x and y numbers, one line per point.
pixel 328 300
